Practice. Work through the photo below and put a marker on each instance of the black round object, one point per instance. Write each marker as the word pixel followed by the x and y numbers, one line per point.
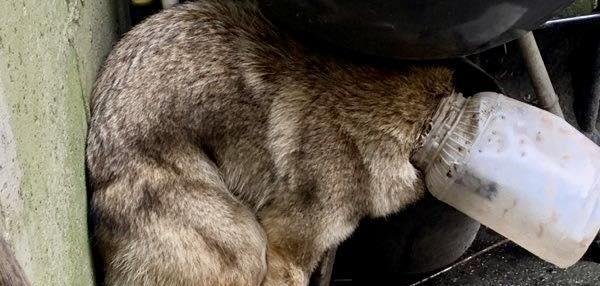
pixel 413 29
pixel 424 237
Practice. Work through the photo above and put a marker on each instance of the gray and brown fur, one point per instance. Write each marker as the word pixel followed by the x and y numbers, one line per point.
pixel 11 273
pixel 224 152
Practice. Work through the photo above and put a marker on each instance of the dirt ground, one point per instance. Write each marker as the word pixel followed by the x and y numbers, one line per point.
pixel 509 264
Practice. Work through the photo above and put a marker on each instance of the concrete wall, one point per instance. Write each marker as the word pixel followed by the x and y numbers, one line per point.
pixel 50 52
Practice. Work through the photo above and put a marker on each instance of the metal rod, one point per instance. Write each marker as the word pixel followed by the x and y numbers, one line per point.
pixel 588 99
pixel 595 86
pixel 539 75
pixel 461 262
pixel 594 93
pixel 168 3
pixel 123 17
pixel 571 20
pixel 326 268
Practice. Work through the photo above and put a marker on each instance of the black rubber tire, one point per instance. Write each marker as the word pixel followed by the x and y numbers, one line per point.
pixel 425 237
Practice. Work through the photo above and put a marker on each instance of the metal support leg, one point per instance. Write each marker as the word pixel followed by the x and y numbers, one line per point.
pixel 123 17
pixel 539 75
pixel 588 104
pixel 326 268
pixel 545 92
pixel 168 3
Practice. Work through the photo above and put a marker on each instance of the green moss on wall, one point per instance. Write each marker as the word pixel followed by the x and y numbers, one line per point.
pixel 50 52
pixel 579 7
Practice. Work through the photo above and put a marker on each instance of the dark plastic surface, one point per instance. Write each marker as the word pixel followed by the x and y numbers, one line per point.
pixel 413 29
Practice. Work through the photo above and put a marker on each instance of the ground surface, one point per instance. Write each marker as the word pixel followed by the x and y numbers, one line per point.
pixel 511 265
pixel 507 264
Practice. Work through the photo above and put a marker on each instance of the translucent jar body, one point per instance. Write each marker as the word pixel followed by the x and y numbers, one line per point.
pixel 517 169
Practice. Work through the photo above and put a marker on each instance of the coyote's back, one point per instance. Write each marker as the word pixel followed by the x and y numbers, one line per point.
pixel 222 151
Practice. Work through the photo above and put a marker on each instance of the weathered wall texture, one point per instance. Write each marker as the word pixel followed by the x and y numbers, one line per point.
pixel 579 7
pixel 50 52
